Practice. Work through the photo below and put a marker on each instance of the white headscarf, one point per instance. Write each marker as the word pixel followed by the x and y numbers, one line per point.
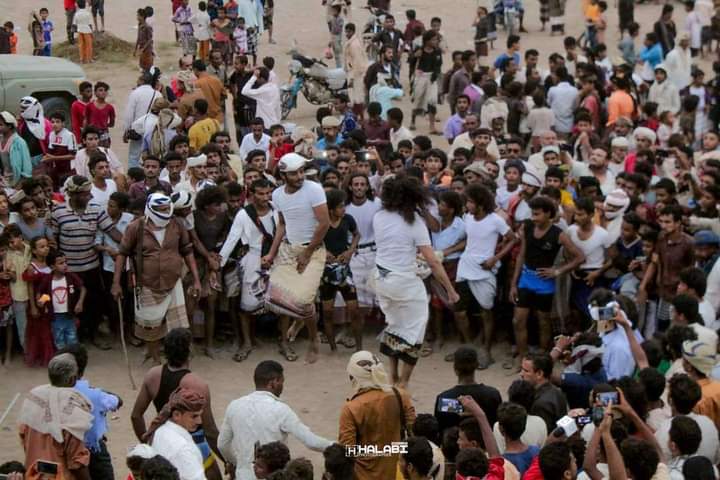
pixel 617 198
pixel 32 112
pixel 158 218
pixel 366 372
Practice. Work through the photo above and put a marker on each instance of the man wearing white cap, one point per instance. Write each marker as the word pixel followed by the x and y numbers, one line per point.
pixel 644 140
pixel 196 173
pixel 530 185
pixel 330 127
pixel 664 92
pixel 297 254
pixel 618 151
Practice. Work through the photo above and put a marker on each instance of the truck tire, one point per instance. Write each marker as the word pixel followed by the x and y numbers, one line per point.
pixel 57 104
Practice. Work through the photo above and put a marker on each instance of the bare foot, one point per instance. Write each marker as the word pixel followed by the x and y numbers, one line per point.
pixel 312 354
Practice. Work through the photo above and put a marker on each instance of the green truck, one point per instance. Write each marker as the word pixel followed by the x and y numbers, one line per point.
pixel 53 81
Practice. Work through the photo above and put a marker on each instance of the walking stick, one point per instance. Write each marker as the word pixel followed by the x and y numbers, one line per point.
pixel 10 407
pixel 124 346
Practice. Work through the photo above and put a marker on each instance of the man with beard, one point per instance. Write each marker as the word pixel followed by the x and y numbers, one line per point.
pixel 158 386
pixel 74 225
pixel 599 167
pixel 152 183
pixel 385 66
pixel 297 253
pixel 254 226
pixel 159 245
pixel 362 206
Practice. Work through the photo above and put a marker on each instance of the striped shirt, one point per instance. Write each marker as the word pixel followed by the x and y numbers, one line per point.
pixel 75 233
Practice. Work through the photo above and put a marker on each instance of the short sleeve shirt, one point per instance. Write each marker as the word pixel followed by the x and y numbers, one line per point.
pixel 397 241
pixel 297 210
pixel 337 238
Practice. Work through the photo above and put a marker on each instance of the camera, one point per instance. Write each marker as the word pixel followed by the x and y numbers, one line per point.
pixel 606 313
pixel 597 414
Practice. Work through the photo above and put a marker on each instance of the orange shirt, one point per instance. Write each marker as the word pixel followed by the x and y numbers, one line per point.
pixel 13 43
pixel 213 90
pixel 71 454
pixel 620 104
pixel 709 404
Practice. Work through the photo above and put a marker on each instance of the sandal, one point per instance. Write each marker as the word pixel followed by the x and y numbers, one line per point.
pixel 450 357
pixel 426 350
pixel 241 355
pixel 288 353
pixel 348 342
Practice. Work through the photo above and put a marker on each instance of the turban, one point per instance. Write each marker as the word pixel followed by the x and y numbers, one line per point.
pixel 619 199
pixel 367 372
pixel 142 450
pixel 182 399
pixel 77 184
pixel 531 178
pixel 644 132
pixel 199 161
pixel 32 112
pixel 182 199
pixel 620 142
pixel 152 209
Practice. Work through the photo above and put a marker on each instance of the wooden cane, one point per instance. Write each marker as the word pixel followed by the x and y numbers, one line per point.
pixel 124 346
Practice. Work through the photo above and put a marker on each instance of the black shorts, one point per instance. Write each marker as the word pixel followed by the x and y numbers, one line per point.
pixel 467 299
pixel 267 21
pixel 98 8
pixel 328 292
pixel 541 302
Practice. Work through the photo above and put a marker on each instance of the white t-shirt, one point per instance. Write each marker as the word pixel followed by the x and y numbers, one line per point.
pixel 102 197
pixel 397 240
pixel 482 239
pixel 59 295
pixel 297 210
pixel 709 443
pixel 363 215
pixel 593 248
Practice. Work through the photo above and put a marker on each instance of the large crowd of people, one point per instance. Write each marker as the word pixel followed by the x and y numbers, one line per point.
pixel 570 207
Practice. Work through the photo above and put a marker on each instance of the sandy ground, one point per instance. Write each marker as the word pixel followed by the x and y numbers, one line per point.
pixel 316 393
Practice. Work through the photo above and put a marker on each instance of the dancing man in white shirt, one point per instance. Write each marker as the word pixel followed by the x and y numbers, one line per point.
pixel 260 418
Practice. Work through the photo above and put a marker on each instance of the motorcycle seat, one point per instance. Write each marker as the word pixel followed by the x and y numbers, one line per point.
pixel 304 61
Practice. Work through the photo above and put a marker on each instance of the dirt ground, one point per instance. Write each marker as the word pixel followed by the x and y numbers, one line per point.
pixel 317 392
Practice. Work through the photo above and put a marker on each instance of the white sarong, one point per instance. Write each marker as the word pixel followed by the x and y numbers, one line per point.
pixel 361 266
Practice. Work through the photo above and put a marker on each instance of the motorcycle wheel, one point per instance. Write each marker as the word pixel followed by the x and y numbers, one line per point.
pixel 287 102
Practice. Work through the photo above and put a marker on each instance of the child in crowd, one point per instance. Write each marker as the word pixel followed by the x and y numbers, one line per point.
pixel 47 27
pixel 16 261
pixel 512 419
pixel 9 27
pixel 667 127
pixel 62 295
pixel 341 241
pixel 77 109
pixel 240 37
pixel 30 225
pixel 201 29
pixel 101 114
pixel 6 311
pixel 36 32
pixel 62 148
pixel 39 345
pixel 83 24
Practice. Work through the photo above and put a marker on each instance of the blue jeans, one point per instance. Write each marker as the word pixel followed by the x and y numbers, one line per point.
pixel 20 310
pixel 63 330
pixel 134 152
pixel 47 50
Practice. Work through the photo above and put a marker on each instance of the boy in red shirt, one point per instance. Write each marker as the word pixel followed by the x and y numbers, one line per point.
pixel 77 109
pixel 278 146
pixel 101 114
pixel 62 147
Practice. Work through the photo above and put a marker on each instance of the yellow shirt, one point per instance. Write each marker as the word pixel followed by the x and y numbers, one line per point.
pixel 17 262
pixel 566 198
pixel 201 132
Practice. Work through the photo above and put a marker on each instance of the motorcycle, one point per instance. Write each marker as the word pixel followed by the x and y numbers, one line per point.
pixel 319 83
pixel 373 26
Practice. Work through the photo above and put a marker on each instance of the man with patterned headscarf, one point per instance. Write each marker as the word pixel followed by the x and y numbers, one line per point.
pixel 170 433
pixel 34 128
pixel 158 244
pixel 615 206
pixel 376 414
pixel 74 225
pixel 53 421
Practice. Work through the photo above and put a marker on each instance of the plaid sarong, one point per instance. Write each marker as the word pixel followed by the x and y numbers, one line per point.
pixel 158 312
